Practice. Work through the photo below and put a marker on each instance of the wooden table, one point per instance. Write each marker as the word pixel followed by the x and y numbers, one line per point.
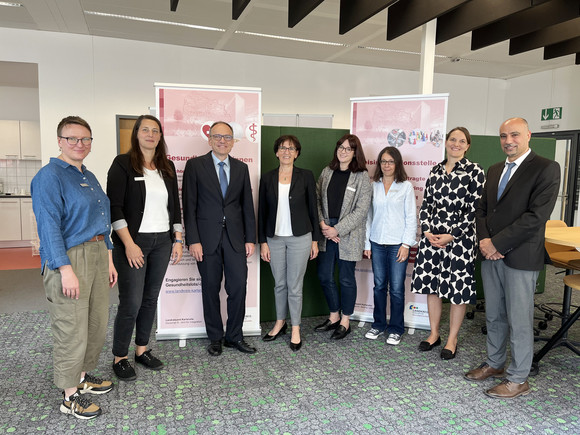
pixel 567 236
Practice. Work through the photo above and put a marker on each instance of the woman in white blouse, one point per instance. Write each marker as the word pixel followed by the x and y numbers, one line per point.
pixel 146 219
pixel 391 231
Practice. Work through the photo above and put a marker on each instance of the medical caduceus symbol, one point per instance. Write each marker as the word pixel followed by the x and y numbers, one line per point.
pixel 251 132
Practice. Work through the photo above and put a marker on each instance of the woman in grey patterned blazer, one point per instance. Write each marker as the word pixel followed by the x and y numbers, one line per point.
pixel 344 196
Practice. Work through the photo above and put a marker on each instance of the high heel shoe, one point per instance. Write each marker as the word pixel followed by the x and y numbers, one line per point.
pixel 282 331
pixel 296 346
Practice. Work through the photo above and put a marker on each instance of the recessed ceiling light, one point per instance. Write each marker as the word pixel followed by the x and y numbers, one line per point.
pixel 152 20
pixel 289 38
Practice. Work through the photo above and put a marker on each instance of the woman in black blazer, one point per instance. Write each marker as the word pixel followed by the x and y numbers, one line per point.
pixel 146 218
pixel 288 233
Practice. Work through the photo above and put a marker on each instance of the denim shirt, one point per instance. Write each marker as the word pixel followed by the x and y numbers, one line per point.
pixel 392 217
pixel 70 208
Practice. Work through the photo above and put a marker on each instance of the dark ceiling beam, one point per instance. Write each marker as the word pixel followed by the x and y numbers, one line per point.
pixel 547 36
pixel 407 15
pixel 562 48
pixel 298 9
pixel 355 12
pixel 527 21
pixel 173 5
pixel 475 14
pixel 238 7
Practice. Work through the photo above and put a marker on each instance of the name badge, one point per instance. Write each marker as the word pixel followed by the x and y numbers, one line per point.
pixel 84 185
pixel 139 178
pixel 352 189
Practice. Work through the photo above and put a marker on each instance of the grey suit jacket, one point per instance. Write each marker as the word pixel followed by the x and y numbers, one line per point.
pixel 204 208
pixel 351 224
pixel 516 222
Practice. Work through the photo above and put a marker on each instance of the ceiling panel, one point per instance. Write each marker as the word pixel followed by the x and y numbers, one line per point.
pixel 270 17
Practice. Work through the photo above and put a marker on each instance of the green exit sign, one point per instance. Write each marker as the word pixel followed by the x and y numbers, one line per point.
pixel 551 113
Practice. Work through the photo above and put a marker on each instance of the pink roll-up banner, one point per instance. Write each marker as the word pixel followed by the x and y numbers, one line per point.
pixel 186 113
pixel 416 125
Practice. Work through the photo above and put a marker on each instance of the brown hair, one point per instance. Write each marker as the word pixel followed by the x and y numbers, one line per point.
pixel 290 138
pixel 358 163
pixel 72 120
pixel 400 173
pixel 160 159
pixel 463 130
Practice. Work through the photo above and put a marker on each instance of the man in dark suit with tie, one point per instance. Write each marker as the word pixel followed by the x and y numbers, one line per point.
pixel 516 202
pixel 220 229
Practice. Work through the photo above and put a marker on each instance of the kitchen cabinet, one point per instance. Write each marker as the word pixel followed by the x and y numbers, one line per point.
pixel 27 222
pixel 9 139
pixel 20 140
pixel 10 229
pixel 29 140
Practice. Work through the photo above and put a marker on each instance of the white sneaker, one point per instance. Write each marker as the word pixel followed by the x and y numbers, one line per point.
pixel 393 339
pixel 373 334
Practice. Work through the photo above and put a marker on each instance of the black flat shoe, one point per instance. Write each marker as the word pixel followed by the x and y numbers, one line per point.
pixel 340 333
pixel 296 346
pixel 282 331
pixel 124 371
pixel 149 360
pixel 425 345
pixel 327 325
pixel 447 354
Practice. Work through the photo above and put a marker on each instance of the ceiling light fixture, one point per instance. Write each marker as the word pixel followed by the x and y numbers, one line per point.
pixel 289 38
pixel 154 21
pixel 11 4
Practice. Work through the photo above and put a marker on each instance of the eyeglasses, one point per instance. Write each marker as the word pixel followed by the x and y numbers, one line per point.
pixel 219 137
pixel 345 149
pixel 147 130
pixel 283 149
pixel 72 141
pixel 387 162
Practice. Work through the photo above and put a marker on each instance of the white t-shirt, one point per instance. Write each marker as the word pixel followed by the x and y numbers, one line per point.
pixel 283 220
pixel 155 214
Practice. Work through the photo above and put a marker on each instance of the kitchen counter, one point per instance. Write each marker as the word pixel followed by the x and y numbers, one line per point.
pixel 3 195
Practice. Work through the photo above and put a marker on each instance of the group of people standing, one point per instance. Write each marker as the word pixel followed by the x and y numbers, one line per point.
pixel 339 219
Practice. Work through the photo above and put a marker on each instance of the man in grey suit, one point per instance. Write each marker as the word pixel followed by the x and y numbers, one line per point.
pixel 220 229
pixel 516 202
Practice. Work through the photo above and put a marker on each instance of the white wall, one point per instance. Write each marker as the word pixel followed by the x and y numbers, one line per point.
pixel 115 76
pixel 527 95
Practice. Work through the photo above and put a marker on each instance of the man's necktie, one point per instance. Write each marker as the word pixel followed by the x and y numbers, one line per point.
pixel 504 180
pixel 223 179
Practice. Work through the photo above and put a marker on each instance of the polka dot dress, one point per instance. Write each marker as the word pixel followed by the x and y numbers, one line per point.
pixel 449 208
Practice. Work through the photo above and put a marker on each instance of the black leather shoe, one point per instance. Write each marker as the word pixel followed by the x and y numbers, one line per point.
pixel 215 348
pixel 340 333
pixel 327 325
pixel 241 345
pixel 447 354
pixel 296 346
pixel 148 360
pixel 124 371
pixel 282 331
pixel 425 345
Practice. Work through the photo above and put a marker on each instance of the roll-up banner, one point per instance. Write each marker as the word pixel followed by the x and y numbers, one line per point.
pixel 416 125
pixel 186 113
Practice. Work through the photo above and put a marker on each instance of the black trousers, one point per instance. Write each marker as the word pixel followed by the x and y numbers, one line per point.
pixel 224 261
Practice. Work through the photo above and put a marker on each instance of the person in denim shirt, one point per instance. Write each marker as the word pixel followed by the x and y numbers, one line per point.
pixel 391 231
pixel 74 225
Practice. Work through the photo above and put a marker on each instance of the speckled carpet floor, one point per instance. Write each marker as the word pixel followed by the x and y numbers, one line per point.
pixel 353 386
